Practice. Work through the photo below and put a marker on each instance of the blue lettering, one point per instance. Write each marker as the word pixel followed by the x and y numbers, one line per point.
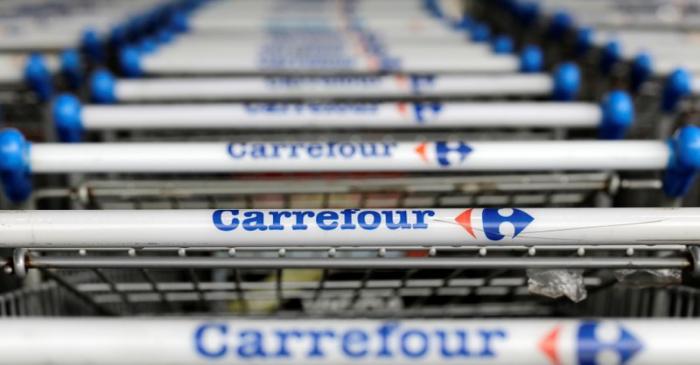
pixel 283 336
pixel 315 150
pixel 277 220
pixel 385 331
pixel 199 335
pixel 217 217
pixel 355 343
pixel 316 337
pixel 254 221
pixel 232 150
pixel 462 344
pixel 251 344
pixel 414 351
pixel 362 219
pixel 420 218
pixel 327 220
pixel 488 337
pixel 402 222
pixel 346 150
pixel 347 218
pixel 299 216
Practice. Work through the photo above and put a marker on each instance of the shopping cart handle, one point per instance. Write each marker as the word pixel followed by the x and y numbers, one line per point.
pixel 102 87
pixel 676 87
pixel 531 59
pixel 584 40
pixel 66 112
pixel 642 69
pixel 684 162
pixel 72 68
pixel 38 77
pixel 130 61
pixel 14 165
pixel 502 44
pixel 91 45
pixel 618 115
pixel 610 56
pixel 567 82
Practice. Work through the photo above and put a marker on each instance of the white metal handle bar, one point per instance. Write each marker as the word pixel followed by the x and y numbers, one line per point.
pixel 680 157
pixel 206 63
pixel 149 341
pixel 375 228
pixel 562 85
pixel 613 116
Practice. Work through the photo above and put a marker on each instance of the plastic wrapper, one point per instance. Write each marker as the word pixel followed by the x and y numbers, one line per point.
pixel 557 283
pixel 648 278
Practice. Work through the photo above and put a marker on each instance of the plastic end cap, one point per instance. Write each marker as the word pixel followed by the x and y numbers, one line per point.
pixel 531 59
pixel 610 56
pixel 480 33
pixel 676 87
pixel 567 81
pixel 560 23
pixel 14 165
pixel 38 77
pixel 179 22
pixel 148 45
pixel 584 40
pixel 502 45
pixel 618 115
pixel 102 85
pixel 684 162
pixel 464 24
pixel 91 45
pixel 67 118
pixel 165 36
pixel 642 68
pixel 130 61
pixel 71 67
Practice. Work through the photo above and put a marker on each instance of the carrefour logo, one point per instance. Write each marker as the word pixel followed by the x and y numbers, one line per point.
pixel 422 112
pixel 327 150
pixel 488 223
pixel 386 341
pixel 446 153
pixel 328 220
pixel 596 344
pixel 492 221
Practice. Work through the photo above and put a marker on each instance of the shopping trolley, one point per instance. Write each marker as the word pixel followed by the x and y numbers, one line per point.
pixel 427 262
pixel 419 165
pixel 627 53
pixel 332 37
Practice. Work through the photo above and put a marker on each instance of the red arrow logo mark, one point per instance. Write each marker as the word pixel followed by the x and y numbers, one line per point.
pixel 421 150
pixel 548 345
pixel 465 220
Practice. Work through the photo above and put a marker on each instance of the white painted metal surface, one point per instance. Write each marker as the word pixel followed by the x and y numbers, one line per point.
pixel 347 115
pixel 205 341
pixel 349 227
